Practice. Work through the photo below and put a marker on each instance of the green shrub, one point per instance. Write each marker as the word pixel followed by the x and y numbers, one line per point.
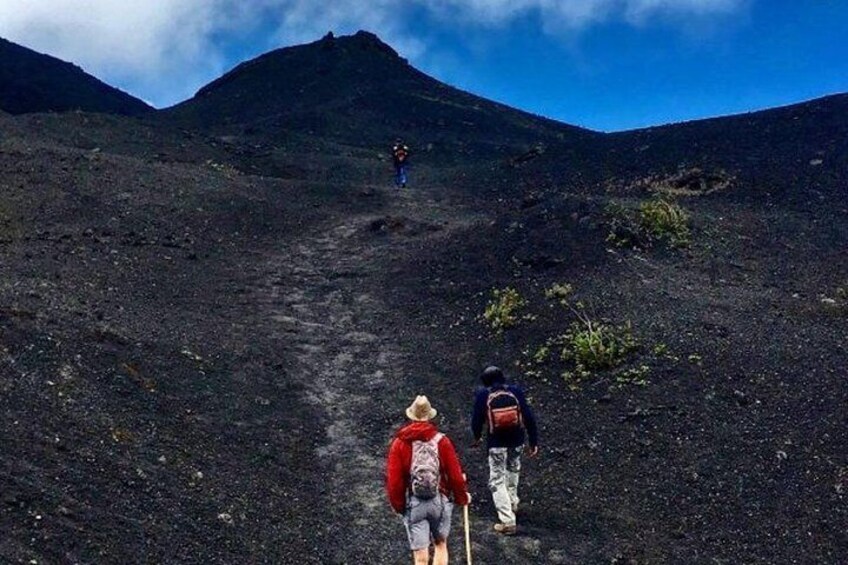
pixel 624 229
pixel 541 355
pixel 503 309
pixel 593 346
pixel 663 219
pixel 560 292
pixel 655 219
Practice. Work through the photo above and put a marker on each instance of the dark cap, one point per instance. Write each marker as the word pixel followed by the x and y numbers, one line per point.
pixel 492 375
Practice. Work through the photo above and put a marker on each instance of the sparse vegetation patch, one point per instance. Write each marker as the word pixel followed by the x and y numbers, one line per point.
pixel 559 292
pixel 624 230
pixel 685 182
pixel 503 310
pixel 664 219
pixel 655 220
pixel 590 345
pixel 595 346
pixel 839 304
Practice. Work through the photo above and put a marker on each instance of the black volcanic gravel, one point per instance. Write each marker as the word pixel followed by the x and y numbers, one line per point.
pixel 208 337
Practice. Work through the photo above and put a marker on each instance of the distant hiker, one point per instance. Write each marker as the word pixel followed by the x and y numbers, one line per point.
pixel 422 472
pixel 400 157
pixel 503 409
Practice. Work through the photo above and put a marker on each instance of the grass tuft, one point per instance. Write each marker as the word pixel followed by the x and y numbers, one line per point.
pixel 502 311
pixel 664 219
pixel 655 220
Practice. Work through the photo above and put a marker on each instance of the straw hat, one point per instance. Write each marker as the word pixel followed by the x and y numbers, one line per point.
pixel 420 410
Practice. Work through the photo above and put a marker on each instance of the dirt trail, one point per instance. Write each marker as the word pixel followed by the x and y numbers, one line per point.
pixel 327 313
pixel 338 362
pixel 321 313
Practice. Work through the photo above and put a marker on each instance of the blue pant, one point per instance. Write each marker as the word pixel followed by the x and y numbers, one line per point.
pixel 400 175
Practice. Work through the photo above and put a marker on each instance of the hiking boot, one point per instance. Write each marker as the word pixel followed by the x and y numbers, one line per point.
pixel 505 529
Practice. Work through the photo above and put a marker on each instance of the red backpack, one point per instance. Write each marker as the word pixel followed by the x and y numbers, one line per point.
pixel 504 411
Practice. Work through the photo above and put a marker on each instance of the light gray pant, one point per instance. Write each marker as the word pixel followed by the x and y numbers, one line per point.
pixel 427 520
pixel 504 466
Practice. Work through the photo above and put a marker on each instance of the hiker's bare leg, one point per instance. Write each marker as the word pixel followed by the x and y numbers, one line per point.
pixel 421 556
pixel 440 552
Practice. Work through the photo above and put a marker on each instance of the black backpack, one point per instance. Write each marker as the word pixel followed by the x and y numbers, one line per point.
pixel 503 411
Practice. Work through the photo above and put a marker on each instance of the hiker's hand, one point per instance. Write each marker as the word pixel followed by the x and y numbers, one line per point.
pixel 534 451
pixel 468 496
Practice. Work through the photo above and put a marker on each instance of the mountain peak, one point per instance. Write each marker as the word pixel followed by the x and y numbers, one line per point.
pixel 370 40
pixel 357 89
pixel 332 56
pixel 360 42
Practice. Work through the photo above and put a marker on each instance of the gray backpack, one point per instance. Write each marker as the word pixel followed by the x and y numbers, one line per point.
pixel 424 472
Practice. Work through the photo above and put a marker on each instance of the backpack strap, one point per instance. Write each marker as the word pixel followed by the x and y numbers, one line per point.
pixel 492 395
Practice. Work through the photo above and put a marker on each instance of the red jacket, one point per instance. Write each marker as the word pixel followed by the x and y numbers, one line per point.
pixel 400 460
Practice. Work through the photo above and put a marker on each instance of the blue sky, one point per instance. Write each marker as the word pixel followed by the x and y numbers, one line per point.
pixel 604 64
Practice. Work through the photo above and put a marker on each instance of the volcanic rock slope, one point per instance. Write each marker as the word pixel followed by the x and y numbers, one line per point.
pixel 357 90
pixel 33 82
pixel 211 320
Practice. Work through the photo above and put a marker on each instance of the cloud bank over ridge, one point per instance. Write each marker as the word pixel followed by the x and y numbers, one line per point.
pixel 163 49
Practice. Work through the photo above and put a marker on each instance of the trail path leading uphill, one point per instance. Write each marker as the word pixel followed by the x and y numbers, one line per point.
pixel 343 367
pixel 325 313
pixel 323 306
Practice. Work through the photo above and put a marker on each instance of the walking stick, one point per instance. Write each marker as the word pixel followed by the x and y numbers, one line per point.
pixel 467 525
pixel 467 535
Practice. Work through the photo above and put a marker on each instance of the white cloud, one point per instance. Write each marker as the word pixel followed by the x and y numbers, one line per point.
pixel 142 43
pixel 574 13
pixel 163 49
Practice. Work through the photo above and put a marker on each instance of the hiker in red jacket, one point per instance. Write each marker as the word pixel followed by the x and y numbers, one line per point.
pixel 422 474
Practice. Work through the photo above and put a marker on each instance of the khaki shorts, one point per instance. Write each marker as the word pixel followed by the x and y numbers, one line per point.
pixel 427 520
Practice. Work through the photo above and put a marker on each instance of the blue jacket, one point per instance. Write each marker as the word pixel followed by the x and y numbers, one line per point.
pixel 510 438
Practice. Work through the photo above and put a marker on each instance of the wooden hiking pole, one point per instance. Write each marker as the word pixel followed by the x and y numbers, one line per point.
pixel 467 524
pixel 467 535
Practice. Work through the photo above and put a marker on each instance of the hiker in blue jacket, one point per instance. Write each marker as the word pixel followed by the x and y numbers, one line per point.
pixel 504 410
